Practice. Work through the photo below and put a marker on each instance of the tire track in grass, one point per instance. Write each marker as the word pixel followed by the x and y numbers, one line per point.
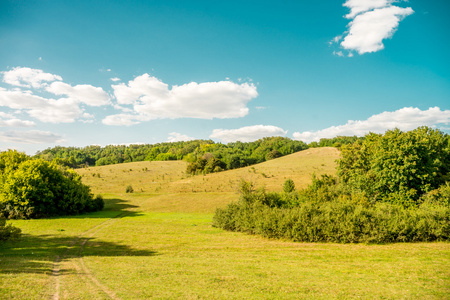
pixel 81 268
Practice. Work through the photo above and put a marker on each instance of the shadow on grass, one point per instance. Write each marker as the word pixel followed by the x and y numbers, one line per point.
pixel 36 254
pixel 114 208
pixel 117 205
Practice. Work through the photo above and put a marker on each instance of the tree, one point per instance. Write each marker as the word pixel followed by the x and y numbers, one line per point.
pixel 397 166
pixel 289 186
pixel 37 188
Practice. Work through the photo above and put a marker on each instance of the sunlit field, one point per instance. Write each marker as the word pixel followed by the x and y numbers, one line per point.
pixel 158 243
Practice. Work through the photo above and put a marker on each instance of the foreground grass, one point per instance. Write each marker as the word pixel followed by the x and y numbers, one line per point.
pixel 161 245
pixel 165 252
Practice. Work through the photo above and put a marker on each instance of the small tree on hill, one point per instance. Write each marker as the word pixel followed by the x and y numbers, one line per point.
pixel 289 186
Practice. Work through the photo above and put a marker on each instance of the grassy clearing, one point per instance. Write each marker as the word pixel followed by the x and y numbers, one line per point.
pixel 160 244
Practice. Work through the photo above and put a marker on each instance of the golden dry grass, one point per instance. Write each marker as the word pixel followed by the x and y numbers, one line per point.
pixel 170 177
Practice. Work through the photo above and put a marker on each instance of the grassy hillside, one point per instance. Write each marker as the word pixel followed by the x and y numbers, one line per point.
pixel 170 177
pixel 158 243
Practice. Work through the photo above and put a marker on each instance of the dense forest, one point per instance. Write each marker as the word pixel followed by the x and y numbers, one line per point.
pixel 391 187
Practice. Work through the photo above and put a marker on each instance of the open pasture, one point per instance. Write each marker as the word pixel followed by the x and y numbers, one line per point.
pixel 158 243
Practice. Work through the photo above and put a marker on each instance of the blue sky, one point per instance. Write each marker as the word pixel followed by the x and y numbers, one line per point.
pixel 77 73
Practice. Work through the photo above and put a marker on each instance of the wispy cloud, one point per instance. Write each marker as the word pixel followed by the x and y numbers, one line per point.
pixel 8 120
pixel 247 134
pixel 407 118
pixel 372 22
pixel 30 137
pixel 150 99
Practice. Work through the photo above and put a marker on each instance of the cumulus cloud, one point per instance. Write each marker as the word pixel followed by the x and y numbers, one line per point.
pixel 27 77
pixel 407 118
pixel 361 6
pixel 152 99
pixel 67 109
pixel 115 79
pixel 247 134
pixel 178 137
pixel 87 94
pixel 373 21
pixel 30 137
pixel 63 110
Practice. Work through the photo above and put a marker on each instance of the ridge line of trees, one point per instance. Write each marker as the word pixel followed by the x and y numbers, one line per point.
pixel 203 156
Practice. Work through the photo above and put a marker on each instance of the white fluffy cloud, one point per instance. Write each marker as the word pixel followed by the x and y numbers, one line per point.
pixel 30 137
pixel 153 99
pixel 361 6
pixel 84 93
pixel 63 110
pixel 67 109
pixel 178 137
pixel 407 118
pixel 247 134
pixel 373 21
pixel 27 77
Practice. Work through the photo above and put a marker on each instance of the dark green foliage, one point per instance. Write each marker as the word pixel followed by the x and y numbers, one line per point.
pixel 342 221
pixel 289 186
pixel 338 222
pixel 7 231
pixel 34 188
pixel 273 154
pixel 226 157
pixel 218 157
pixel 337 142
pixel 397 166
pixel 390 188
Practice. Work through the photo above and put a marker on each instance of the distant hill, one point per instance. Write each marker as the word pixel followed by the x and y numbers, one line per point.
pixel 162 177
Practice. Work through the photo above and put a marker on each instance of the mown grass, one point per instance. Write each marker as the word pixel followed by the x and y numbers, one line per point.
pixel 161 245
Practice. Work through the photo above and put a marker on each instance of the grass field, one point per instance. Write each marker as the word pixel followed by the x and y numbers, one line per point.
pixel 158 243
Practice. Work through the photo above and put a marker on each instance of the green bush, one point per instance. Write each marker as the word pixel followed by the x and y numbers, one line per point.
pixel 338 222
pixel 34 188
pixel 332 214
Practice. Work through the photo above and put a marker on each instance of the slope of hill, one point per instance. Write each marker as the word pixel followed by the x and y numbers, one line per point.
pixel 170 176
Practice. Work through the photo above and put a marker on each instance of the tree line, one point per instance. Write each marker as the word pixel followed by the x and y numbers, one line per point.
pixel 203 156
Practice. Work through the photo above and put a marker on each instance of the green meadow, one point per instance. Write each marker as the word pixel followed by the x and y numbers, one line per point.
pixel 158 243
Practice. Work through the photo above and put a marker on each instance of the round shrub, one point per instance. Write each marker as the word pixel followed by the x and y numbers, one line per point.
pixel 37 188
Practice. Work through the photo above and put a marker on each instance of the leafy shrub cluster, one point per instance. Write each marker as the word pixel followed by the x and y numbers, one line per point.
pixel 390 188
pixel 34 188
pixel 334 221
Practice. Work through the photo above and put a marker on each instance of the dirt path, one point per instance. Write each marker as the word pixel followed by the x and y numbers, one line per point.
pixel 78 264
